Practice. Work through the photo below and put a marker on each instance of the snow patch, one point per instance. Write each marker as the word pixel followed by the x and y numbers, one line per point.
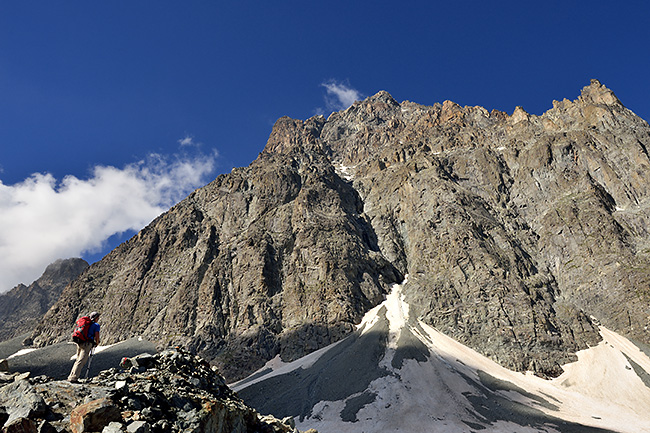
pixel 397 311
pixel 95 350
pixel 21 352
pixel 278 367
pixel 345 172
pixel 397 315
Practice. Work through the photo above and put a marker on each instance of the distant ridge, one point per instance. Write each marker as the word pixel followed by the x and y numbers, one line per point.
pixel 22 307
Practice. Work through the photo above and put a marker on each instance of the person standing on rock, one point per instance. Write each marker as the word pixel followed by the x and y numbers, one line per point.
pixel 86 336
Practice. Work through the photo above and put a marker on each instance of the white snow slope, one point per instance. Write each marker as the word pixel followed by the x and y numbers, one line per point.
pixel 398 374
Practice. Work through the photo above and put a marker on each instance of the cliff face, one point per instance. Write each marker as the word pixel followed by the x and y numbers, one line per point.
pixel 516 232
pixel 514 229
pixel 273 258
pixel 22 307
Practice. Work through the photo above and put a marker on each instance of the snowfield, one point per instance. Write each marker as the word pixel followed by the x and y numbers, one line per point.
pixel 398 374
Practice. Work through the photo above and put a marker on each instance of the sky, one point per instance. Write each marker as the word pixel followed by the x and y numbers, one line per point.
pixel 111 112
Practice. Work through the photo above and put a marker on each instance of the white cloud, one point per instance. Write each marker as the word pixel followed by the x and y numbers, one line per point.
pixel 43 219
pixel 339 95
pixel 188 140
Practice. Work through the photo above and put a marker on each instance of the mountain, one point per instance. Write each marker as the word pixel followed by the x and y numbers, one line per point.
pixel 521 234
pixel 396 373
pixel 23 306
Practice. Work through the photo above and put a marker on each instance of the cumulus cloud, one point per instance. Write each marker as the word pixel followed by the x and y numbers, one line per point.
pixel 43 219
pixel 340 96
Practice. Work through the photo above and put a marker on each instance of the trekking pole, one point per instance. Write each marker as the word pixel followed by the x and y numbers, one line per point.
pixel 90 360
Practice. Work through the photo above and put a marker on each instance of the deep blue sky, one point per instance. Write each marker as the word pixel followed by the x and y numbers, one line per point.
pixel 84 84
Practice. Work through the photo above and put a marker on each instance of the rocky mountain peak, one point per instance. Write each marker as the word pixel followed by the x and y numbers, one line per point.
pixel 373 110
pixel 519 115
pixel 61 272
pixel 597 93
pixel 288 133
pixel 514 230
pixel 381 98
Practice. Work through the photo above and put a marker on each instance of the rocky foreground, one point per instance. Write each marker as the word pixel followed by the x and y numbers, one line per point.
pixel 171 391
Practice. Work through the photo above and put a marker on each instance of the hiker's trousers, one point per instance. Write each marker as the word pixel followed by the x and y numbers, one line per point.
pixel 83 353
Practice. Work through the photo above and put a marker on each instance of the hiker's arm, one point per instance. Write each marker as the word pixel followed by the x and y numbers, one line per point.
pixel 96 338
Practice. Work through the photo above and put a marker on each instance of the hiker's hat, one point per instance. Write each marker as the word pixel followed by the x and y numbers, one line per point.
pixel 93 315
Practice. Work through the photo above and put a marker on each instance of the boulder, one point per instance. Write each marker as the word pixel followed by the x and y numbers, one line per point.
pixel 114 427
pixel 138 427
pixel 287 425
pixel 144 360
pixel 94 416
pixel 20 425
pixel 21 401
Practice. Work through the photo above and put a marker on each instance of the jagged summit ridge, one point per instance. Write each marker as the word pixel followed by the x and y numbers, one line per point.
pixel 353 135
pixel 515 230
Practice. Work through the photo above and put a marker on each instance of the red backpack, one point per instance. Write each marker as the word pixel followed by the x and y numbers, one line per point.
pixel 80 333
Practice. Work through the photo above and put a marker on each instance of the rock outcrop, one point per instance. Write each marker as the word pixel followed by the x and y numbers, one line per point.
pixel 172 391
pixel 516 232
pixel 22 307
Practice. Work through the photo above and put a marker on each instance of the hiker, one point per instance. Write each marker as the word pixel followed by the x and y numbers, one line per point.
pixel 86 335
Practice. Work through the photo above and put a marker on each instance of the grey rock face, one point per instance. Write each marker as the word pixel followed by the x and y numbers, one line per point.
pixel 507 225
pixel 21 401
pixel 511 233
pixel 514 230
pixel 22 307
